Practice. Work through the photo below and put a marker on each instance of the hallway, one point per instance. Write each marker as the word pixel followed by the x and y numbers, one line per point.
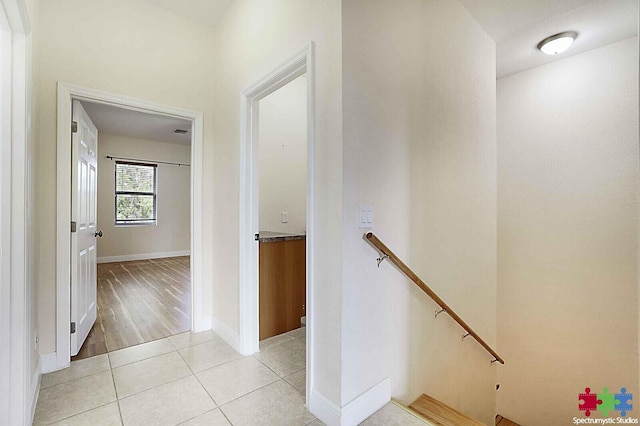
pixel 189 379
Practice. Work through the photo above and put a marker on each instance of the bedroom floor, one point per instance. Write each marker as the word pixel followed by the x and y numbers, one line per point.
pixel 139 301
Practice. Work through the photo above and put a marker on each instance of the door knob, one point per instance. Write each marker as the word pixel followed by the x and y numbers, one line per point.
pixel 98 234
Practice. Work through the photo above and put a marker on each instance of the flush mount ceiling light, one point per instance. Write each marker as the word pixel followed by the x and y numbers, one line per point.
pixel 557 43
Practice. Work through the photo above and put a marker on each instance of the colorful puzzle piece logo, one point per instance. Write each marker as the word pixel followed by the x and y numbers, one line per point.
pixel 589 402
pixel 605 402
pixel 623 402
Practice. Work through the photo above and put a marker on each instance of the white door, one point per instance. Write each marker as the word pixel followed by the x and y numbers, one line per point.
pixel 84 185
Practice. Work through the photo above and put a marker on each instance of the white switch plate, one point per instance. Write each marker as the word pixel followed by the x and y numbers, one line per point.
pixel 365 216
pixel 285 217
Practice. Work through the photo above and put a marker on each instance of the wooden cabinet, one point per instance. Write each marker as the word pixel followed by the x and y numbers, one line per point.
pixel 282 286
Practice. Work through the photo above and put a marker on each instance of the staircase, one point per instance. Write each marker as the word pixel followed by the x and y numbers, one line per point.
pixel 438 413
pixel 433 412
pixel 501 421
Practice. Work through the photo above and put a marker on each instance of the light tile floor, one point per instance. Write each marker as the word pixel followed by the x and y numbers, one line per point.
pixel 187 379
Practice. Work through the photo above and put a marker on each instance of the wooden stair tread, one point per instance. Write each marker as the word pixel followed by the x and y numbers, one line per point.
pixel 502 421
pixel 440 413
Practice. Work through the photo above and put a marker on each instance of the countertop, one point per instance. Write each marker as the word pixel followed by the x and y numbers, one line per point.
pixel 270 237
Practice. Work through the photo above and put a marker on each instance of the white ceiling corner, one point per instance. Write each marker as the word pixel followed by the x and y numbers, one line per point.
pixel 518 25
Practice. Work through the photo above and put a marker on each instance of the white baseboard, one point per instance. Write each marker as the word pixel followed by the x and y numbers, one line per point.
pixel 48 362
pixel 143 256
pixel 35 388
pixel 227 334
pixel 354 412
pixel 202 324
pixel 325 410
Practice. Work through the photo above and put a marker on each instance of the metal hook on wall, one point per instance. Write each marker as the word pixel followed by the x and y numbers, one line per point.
pixel 382 257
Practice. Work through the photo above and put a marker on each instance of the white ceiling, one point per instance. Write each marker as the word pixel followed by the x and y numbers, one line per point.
pixel 518 25
pixel 207 12
pixel 138 125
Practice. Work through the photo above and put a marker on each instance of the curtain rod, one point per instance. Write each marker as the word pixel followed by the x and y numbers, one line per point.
pixel 110 157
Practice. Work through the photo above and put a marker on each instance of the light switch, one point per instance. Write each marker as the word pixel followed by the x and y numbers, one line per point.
pixel 285 217
pixel 365 216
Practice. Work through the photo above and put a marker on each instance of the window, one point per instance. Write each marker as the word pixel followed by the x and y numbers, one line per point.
pixel 135 193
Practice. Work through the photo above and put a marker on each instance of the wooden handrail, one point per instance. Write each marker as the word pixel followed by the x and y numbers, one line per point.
pixel 387 253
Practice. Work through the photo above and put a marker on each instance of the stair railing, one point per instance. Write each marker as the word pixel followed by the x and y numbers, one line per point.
pixel 386 253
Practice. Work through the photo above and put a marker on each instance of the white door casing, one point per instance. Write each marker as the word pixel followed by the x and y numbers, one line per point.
pixel 18 380
pixel 67 93
pixel 299 64
pixel 84 184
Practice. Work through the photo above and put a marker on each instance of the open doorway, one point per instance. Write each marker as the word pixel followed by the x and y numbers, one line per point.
pixel 67 95
pixel 141 236
pixel 282 199
pixel 296 73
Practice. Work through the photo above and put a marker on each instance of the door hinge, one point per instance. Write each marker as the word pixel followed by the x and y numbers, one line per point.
pixel 73 227
pixel 73 327
pixel 74 127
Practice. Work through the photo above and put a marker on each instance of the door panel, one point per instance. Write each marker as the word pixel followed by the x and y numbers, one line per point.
pixel 84 157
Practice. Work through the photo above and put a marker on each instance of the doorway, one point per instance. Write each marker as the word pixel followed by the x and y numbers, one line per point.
pixel 141 237
pixel 282 201
pixel 300 64
pixel 66 95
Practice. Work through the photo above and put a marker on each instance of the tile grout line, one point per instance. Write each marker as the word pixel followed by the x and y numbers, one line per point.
pixel 77 414
pixel 220 407
pixel 77 378
pixel 280 379
pixel 113 380
pixel 249 393
pixel 118 399
pixel 156 386
pixel 197 344
pixel 277 374
pixel 159 384
pixel 93 408
pixel 144 359
pixel 206 391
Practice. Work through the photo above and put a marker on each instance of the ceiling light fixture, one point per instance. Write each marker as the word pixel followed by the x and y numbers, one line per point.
pixel 557 43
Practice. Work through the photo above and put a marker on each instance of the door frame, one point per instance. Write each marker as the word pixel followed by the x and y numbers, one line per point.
pixel 299 64
pixel 20 389
pixel 66 94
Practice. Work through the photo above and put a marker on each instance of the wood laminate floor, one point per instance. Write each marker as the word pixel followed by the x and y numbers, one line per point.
pixel 138 302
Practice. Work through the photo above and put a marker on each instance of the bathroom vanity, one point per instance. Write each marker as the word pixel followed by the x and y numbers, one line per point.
pixel 282 260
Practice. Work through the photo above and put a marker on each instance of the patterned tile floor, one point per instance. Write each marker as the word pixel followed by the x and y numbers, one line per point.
pixel 187 379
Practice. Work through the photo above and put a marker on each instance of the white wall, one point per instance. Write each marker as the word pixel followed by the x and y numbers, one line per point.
pixel 252 39
pixel 171 234
pixel 283 158
pixel 32 223
pixel 568 233
pixel 134 48
pixel 128 47
pixel 20 371
pixel 420 147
